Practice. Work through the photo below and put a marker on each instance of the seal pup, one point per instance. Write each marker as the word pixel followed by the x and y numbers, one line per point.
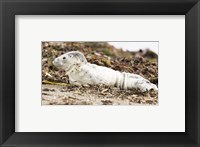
pixel 81 72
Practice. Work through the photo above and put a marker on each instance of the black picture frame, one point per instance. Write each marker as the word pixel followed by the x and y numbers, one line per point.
pixel 189 8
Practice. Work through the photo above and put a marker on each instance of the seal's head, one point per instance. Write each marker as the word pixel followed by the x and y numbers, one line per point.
pixel 69 60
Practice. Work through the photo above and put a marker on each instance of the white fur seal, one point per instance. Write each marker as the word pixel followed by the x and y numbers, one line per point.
pixel 81 72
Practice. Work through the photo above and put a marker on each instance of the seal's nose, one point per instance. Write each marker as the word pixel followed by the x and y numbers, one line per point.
pixel 54 61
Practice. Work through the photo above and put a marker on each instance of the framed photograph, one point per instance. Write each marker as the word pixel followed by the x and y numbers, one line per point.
pixel 99 73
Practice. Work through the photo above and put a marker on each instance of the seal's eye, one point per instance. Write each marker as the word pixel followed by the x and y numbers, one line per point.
pixel 64 58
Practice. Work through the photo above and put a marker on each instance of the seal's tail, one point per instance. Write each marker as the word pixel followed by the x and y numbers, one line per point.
pixel 154 87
